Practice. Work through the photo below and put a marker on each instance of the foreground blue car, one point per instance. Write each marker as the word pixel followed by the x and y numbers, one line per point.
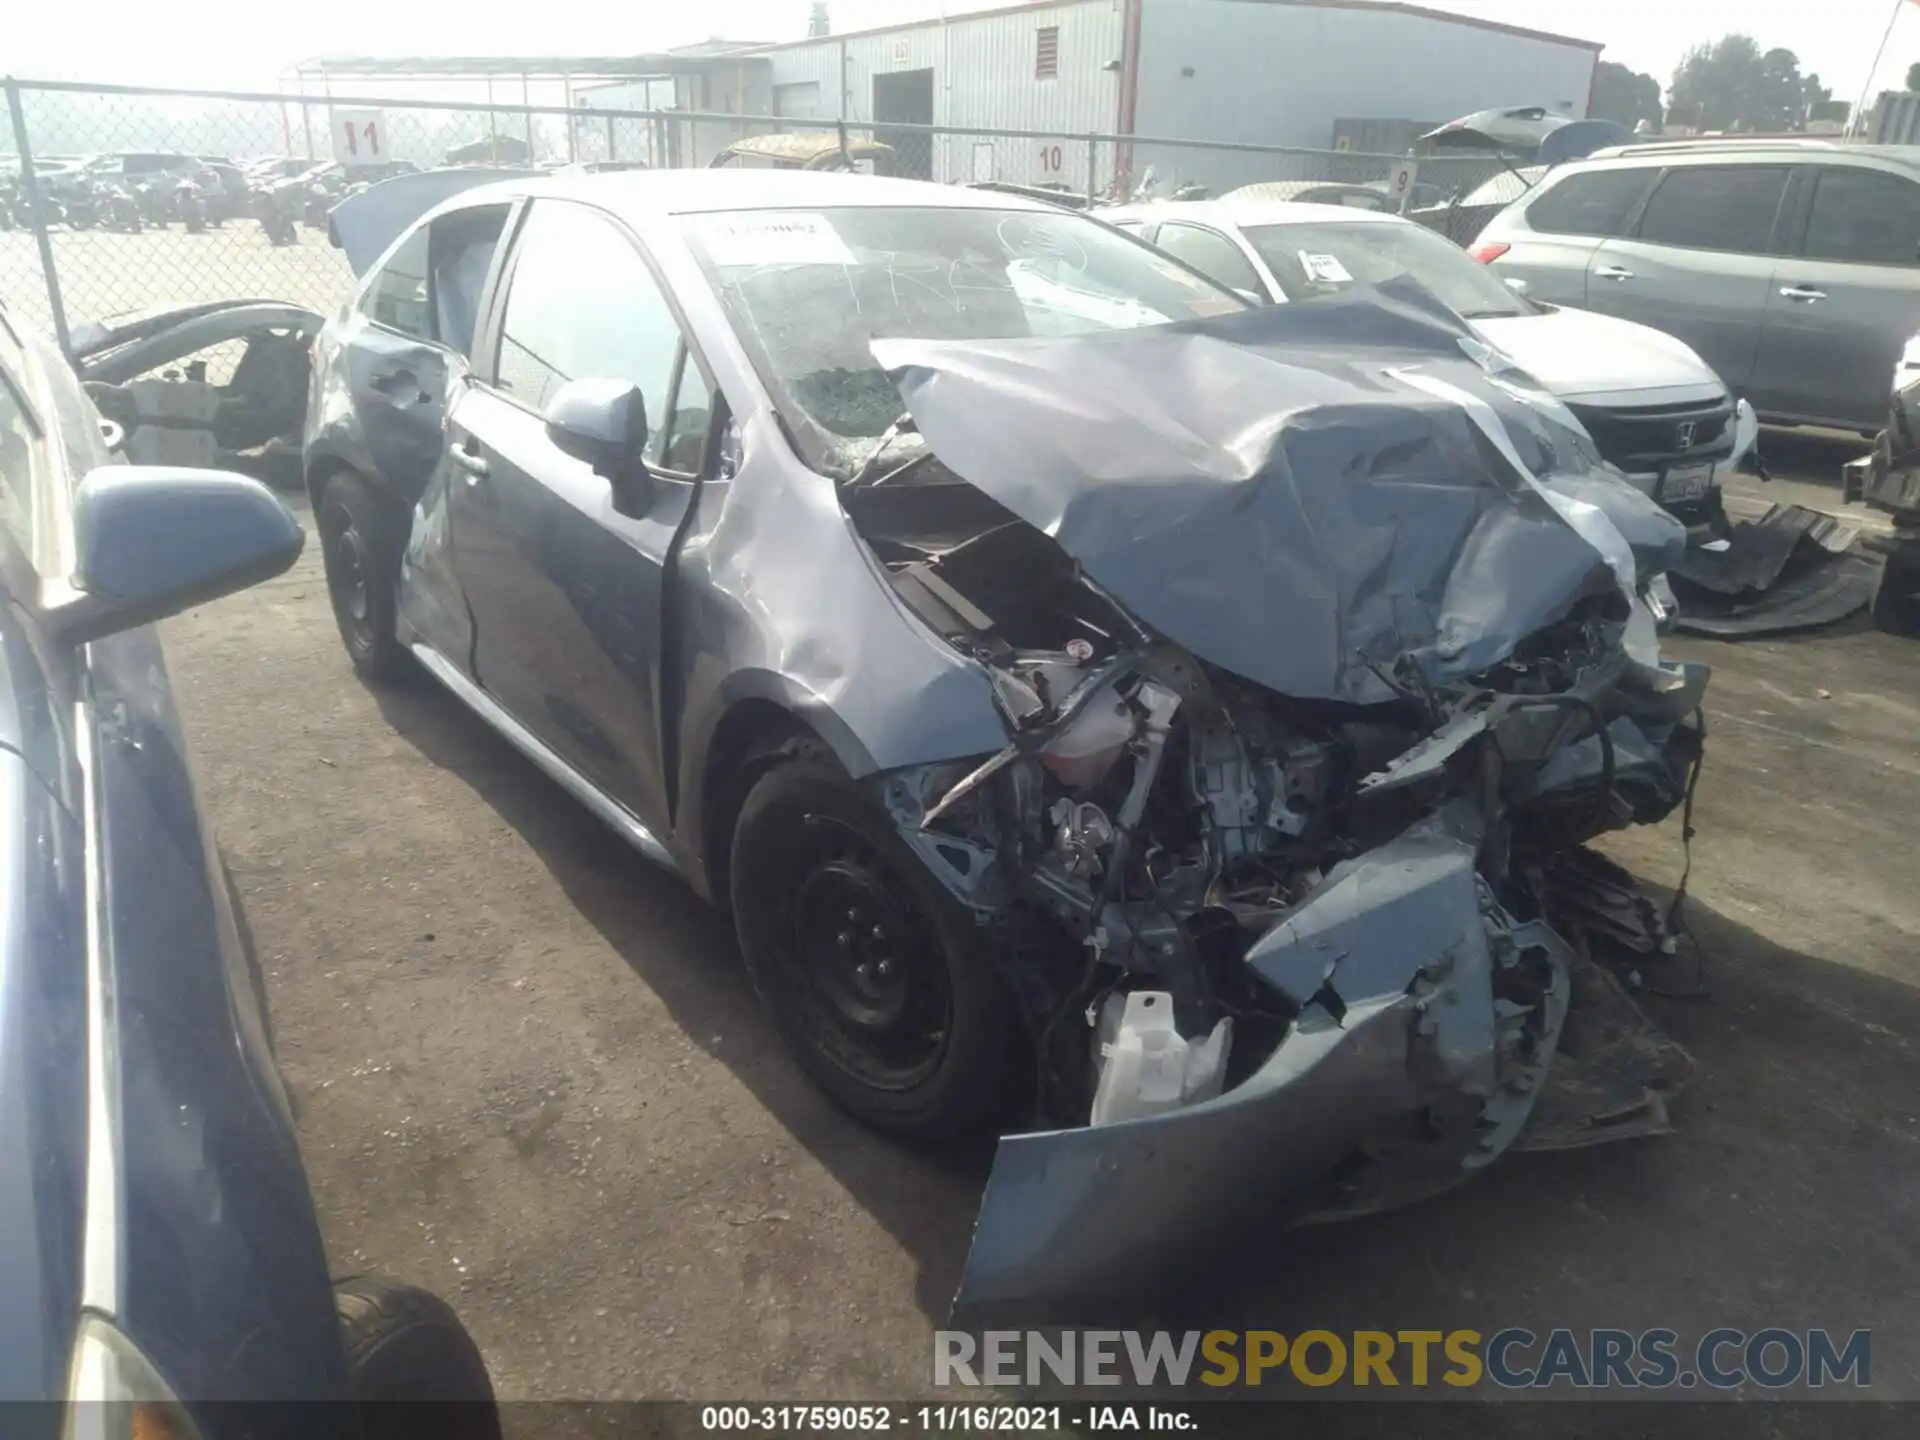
pixel 158 1247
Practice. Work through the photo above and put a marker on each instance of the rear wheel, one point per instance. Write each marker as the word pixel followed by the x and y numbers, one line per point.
pixel 1896 600
pixel 875 976
pixel 412 1365
pixel 363 532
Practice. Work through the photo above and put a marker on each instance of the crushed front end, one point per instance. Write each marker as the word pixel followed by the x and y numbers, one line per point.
pixel 1292 895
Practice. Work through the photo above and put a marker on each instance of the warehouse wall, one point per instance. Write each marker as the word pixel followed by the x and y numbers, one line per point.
pixel 1279 74
pixel 983 74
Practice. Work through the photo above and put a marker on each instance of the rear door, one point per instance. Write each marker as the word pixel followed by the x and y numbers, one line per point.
pixel 565 591
pixel 1700 262
pixel 1552 239
pixel 1846 302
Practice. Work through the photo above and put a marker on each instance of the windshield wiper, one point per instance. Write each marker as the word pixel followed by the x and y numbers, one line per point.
pixel 902 425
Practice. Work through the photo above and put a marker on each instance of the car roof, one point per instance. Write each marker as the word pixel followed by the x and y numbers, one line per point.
pixel 646 194
pixel 1747 147
pixel 1247 212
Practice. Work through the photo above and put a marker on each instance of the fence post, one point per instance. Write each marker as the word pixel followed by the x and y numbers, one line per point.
pixel 841 126
pixel 31 184
pixel 1093 157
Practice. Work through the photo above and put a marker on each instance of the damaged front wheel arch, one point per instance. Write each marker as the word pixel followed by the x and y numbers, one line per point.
pixel 879 981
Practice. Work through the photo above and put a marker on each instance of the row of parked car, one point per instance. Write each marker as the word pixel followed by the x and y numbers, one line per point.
pixel 131 191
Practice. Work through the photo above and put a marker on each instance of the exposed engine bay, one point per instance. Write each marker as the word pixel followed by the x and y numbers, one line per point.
pixel 1156 816
pixel 1338 942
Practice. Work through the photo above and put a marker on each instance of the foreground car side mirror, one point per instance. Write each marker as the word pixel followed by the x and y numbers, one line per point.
pixel 1516 284
pixel 604 424
pixel 152 540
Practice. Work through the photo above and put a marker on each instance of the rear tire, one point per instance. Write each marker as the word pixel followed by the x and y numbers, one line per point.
pixel 363 534
pixel 1896 599
pixel 406 1350
pixel 877 979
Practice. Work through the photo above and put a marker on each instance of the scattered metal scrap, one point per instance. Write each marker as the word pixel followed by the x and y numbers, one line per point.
pixel 1791 568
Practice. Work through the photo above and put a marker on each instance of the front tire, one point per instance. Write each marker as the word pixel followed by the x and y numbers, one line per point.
pixel 363 534
pixel 406 1349
pixel 876 978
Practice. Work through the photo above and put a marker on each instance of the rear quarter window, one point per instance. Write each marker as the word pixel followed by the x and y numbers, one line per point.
pixel 1864 216
pixel 1599 203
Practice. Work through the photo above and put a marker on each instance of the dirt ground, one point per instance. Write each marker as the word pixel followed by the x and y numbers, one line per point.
pixel 531 1074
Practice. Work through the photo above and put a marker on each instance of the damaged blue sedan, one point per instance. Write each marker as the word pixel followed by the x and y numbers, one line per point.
pixel 1165 730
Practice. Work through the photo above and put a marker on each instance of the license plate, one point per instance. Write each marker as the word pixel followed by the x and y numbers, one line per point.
pixel 1686 482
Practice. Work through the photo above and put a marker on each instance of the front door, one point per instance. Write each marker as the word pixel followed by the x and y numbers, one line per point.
pixel 1842 309
pixel 565 590
pixel 905 97
pixel 1699 264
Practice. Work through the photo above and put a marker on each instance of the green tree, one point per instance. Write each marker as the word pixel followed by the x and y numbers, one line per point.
pixel 1733 85
pixel 1913 76
pixel 1625 96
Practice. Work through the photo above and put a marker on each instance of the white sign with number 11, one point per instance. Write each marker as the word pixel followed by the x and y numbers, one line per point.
pixel 359 137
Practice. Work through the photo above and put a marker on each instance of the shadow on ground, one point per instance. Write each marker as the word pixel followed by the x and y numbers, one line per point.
pixel 683 950
pixel 1769 1207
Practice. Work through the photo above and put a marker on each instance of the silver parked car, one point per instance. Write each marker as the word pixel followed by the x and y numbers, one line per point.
pixel 1792 266
pixel 1176 738
pixel 1652 406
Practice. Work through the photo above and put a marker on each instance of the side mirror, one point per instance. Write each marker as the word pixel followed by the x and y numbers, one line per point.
pixel 154 540
pixel 1516 285
pixel 604 424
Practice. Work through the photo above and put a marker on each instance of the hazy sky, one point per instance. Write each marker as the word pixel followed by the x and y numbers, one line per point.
pixel 246 43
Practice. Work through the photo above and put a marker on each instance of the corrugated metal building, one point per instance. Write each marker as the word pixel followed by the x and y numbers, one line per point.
pixel 1275 72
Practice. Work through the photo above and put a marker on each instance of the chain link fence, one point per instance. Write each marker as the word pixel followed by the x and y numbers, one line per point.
pixel 116 199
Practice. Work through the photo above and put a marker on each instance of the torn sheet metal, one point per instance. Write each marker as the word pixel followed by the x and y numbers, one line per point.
pixel 1262 489
pixel 1792 568
pixel 1420 996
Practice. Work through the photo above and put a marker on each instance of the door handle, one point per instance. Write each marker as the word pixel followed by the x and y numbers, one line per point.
pixel 1612 272
pixel 1803 293
pixel 475 465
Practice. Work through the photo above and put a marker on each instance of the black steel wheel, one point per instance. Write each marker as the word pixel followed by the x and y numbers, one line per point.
pixel 875 976
pixel 362 535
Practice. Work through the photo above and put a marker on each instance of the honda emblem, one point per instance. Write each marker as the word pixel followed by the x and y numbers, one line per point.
pixel 1684 435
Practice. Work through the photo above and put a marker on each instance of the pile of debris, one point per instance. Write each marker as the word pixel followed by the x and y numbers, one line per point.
pixel 1785 568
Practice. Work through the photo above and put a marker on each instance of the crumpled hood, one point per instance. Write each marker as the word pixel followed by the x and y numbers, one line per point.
pixel 1301 494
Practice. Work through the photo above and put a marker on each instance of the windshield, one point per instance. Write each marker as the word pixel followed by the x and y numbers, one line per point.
pixel 808 291
pixel 1325 257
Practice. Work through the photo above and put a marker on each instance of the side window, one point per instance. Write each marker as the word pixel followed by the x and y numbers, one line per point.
pixel 1597 203
pixel 692 417
pixel 1213 255
pixel 1866 216
pixel 18 436
pixel 462 245
pixel 582 304
pixel 1716 207
pixel 397 295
